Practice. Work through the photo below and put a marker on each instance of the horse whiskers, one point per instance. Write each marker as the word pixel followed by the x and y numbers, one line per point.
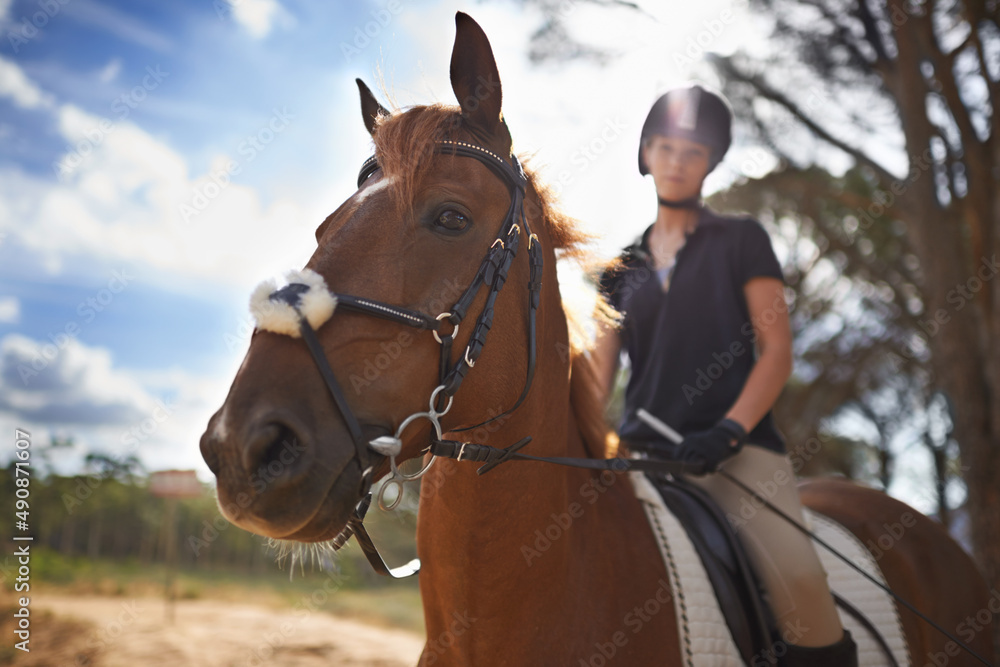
pixel 320 555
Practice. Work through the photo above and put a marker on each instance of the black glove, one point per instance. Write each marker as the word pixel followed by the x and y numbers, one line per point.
pixel 713 446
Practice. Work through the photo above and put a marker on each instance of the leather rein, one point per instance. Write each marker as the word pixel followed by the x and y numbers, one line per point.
pixel 492 274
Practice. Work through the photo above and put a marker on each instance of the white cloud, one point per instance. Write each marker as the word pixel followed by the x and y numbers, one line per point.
pixel 120 197
pixel 65 382
pixel 10 310
pixel 15 85
pixel 110 71
pixel 258 17
pixel 598 125
pixel 76 391
pixel 196 398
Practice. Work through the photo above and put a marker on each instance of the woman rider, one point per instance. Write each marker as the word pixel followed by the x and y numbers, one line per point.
pixel 705 326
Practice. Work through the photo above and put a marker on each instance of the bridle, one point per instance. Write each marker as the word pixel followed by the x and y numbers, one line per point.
pixel 491 275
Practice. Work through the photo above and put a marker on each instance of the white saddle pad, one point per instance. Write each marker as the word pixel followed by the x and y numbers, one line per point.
pixel 704 637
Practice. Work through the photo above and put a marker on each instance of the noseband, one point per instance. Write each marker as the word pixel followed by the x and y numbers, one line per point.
pixel 306 289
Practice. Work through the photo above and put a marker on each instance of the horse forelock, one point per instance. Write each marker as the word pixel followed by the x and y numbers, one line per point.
pixel 406 139
pixel 404 142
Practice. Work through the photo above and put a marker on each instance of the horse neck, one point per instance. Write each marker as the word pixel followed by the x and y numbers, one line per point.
pixel 531 545
pixel 479 533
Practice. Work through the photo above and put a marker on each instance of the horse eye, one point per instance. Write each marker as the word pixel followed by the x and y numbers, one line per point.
pixel 452 221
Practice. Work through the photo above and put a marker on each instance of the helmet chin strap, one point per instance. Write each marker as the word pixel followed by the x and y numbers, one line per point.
pixel 691 203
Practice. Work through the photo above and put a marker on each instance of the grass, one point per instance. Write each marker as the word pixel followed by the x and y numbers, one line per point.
pixel 355 595
pixel 54 640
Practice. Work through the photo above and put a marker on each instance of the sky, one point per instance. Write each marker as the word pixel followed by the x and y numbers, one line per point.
pixel 159 160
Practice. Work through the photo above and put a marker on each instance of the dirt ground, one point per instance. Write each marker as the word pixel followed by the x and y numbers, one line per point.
pixel 92 631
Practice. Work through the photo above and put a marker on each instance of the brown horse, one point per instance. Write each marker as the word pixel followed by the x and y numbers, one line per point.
pixel 531 564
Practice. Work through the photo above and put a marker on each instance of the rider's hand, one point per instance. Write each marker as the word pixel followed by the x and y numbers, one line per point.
pixel 713 446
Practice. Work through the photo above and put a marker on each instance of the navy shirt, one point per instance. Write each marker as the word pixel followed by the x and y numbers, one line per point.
pixel 692 347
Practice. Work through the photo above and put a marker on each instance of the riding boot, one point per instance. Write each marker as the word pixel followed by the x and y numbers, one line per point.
pixel 842 654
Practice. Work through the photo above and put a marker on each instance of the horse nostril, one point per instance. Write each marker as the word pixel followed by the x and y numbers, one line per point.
pixel 273 453
pixel 209 453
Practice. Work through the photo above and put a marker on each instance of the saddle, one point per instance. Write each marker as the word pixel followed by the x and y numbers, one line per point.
pixel 739 592
pixel 737 588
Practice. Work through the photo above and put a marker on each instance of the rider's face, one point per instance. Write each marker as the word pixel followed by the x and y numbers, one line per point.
pixel 678 166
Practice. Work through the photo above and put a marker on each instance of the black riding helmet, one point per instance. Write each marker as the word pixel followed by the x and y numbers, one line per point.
pixel 694 113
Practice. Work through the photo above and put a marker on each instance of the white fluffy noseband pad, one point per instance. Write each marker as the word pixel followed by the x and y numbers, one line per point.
pixel 316 304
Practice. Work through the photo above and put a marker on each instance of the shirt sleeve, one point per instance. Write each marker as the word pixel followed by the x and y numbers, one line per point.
pixel 756 256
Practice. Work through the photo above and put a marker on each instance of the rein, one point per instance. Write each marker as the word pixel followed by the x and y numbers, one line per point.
pixel 665 430
pixel 492 272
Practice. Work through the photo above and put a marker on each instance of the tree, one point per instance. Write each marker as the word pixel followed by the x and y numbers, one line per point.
pixel 853 306
pixel 552 40
pixel 926 75
pixel 905 90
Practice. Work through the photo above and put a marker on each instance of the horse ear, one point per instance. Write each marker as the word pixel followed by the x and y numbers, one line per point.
pixel 370 108
pixel 475 79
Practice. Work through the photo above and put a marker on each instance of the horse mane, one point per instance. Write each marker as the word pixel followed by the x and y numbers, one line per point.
pixel 404 141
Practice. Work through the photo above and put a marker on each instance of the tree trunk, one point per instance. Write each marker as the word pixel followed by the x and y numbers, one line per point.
pixel 67 537
pixel 956 244
pixel 94 538
pixel 940 458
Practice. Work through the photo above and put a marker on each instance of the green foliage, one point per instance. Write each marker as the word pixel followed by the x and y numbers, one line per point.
pixel 855 306
pixel 51 566
pixel 107 531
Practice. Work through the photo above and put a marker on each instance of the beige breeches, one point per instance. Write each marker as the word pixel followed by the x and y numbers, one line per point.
pixel 784 558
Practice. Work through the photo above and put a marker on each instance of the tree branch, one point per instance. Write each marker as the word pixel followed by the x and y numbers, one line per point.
pixel 944 76
pixel 847 39
pixel 872 33
pixel 975 15
pixel 729 69
pixel 976 212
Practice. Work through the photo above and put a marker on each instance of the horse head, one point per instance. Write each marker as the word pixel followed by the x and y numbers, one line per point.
pixel 431 235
